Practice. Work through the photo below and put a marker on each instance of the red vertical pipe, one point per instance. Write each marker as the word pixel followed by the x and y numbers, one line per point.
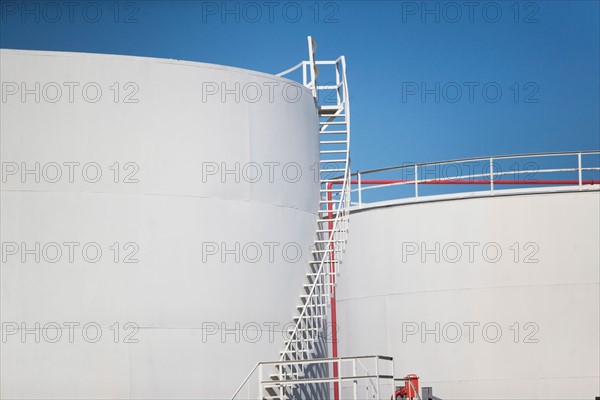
pixel 334 349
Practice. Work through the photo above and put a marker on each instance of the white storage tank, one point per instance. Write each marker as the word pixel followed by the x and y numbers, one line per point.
pixel 168 206
pixel 485 297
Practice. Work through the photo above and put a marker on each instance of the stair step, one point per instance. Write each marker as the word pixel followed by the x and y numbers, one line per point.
pixel 337 161
pixel 329 87
pixel 333 142
pixel 313 305
pixel 329 112
pixel 330 190
pixel 272 392
pixel 294 351
pixel 313 275
pixel 327 108
pixel 334 240
pixel 296 318
pixel 333 151
pixel 308 287
pixel 274 386
pixel 300 307
pixel 327 132
pixel 305 296
pixel 324 123
pixel 277 377
pixel 306 329
pixel 315 298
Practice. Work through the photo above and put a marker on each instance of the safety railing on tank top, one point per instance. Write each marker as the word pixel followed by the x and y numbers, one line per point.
pixel 486 175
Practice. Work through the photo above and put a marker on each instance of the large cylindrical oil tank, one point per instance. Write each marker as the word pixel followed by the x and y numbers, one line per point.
pixel 492 297
pixel 156 223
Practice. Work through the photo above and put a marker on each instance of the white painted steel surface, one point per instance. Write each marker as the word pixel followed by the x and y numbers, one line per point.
pixel 381 298
pixel 171 294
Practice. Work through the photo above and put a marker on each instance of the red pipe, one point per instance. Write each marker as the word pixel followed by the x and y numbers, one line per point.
pixel 334 349
pixel 474 182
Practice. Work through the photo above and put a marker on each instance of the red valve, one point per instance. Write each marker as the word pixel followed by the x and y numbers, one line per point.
pixel 408 391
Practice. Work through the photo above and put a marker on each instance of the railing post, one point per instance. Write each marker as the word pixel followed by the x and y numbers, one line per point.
pixel 393 381
pixel 359 190
pixel 260 378
pixel 355 382
pixel 377 374
pixel 579 170
pixel 304 81
pixel 491 174
pixel 311 58
pixel 416 180
pixel 337 82
pixel 339 379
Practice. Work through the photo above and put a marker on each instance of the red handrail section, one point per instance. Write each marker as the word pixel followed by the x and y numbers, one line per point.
pixel 478 182
pixel 536 182
pixel 474 182
pixel 450 181
pixel 332 277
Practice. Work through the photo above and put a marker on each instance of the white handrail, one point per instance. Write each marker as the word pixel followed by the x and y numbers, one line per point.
pixel 370 377
pixel 492 175
pixel 287 71
pixel 505 156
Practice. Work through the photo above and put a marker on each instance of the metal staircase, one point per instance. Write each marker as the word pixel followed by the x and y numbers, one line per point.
pixel 309 366
pixel 315 318
pixel 314 334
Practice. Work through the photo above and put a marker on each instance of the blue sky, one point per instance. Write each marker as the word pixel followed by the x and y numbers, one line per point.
pixel 543 56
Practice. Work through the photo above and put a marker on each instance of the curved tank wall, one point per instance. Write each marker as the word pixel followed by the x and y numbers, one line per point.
pixel 174 196
pixel 483 298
